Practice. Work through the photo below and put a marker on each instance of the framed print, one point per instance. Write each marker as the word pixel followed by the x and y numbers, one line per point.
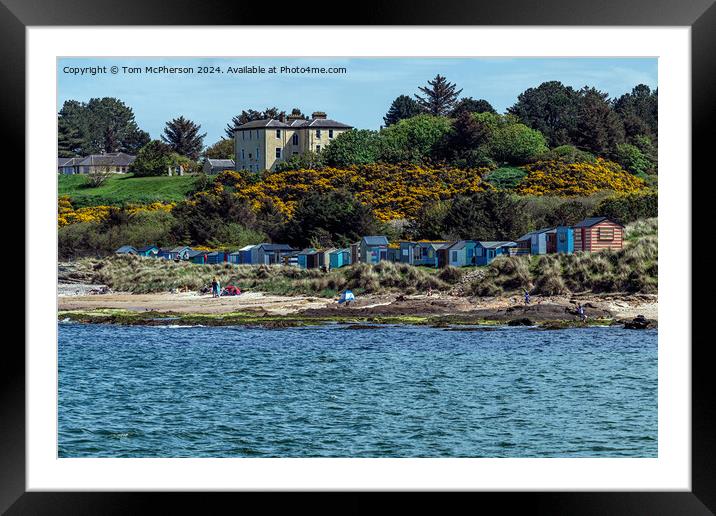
pixel 410 254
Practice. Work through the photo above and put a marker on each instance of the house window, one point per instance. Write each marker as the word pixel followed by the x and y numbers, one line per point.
pixel 330 133
pixel 318 148
pixel 606 233
pixel 278 133
pixel 278 153
pixel 318 133
pixel 295 139
pixel 249 155
pixel 295 153
pixel 243 154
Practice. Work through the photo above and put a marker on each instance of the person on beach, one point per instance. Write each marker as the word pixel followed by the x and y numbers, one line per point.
pixel 215 287
pixel 580 311
pixel 430 291
pixel 527 297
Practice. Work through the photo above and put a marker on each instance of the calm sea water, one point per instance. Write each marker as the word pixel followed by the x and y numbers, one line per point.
pixel 381 392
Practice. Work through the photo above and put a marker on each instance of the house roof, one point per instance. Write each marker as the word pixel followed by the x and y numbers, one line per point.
pixel 375 240
pixel 221 162
pixel 114 159
pixel 146 248
pixel 496 244
pixel 126 249
pixel 316 123
pixel 591 221
pixel 68 162
pixel 460 244
pixel 192 253
pixel 247 247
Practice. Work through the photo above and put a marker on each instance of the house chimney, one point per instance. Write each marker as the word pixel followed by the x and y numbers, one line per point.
pixel 318 115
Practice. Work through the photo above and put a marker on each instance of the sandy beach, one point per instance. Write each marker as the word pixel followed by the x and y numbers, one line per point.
pixel 540 308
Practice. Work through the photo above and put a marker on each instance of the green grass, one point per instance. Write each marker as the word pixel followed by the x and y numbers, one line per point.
pixel 124 189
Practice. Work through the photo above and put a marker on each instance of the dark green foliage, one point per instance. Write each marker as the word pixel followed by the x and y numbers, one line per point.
pixel 182 135
pixel 599 128
pixel 550 108
pixel 439 98
pixel 630 207
pixel 331 218
pixel 461 145
pixel 69 142
pixel 632 159
pixel 402 107
pixel 202 220
pixel 152 160
pixel 354 147
pixel 101 126
pixel 506 178
pixel 639 111
pixel 488 215
pixel 472 106
pixel 430 222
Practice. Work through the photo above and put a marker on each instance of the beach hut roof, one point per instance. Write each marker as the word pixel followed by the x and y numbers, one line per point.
pixel 591 221
pixel 375 240
pixel 529 235
pixel 126 249
pixel 146 248
pixel 194 252
pixel 460 244
pixel 496 244
pixel 276 247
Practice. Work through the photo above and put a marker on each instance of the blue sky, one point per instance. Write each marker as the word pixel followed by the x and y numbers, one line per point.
pixel 359 97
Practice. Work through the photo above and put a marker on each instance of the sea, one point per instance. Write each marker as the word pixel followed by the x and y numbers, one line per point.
pixel 368 391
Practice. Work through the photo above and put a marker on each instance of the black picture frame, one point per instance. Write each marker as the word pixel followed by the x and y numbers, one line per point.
pixel 700 15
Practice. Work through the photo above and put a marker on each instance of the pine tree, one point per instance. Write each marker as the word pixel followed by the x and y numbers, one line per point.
pixel 440 96
pixel 401 108
pixel 251 115
pixel 599 128
pixel 68 139
pixel 183 137
pixel 472 106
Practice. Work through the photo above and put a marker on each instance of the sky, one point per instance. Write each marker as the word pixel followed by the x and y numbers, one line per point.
pixel 359 97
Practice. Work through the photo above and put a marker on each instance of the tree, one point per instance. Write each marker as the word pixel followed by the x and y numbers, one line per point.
pixel 306 160
pixel 632 159
pixel 102 125
pixel 413 140
pixel 69 141
pixel 639 111
pixel 223 149
pixel 472 106
pixel 354 147
pixel 440 96
pixel 599 129
pixel 182 135
pixel 402 107
pixel 152 160
pixel 430 221
pixel 335 214
pixel 488 215
pixel 516 144
pixel 550 108
pixel 251 115
pixel 462 144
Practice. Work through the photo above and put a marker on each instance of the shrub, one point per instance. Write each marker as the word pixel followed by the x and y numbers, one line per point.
pixel 629 207
pixel 575 179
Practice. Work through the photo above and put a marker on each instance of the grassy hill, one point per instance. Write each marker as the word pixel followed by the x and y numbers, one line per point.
pixel 124 189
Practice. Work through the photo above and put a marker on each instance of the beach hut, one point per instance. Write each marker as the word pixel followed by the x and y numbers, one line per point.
pixel 199 257
pixel 339 258
pixel 216 257
pixel 393 252
pixel 486 251
pixel 355 252
pixel 270 254
pixel 242 256
pixel 598 233
pixel 126 249
pixel 461 253
pixel 148 250
pixel 373 249
pixel 552 240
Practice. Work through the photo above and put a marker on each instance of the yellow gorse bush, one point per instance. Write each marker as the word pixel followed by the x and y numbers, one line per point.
pixel 66 214
pixel 577 179
pixel 393 191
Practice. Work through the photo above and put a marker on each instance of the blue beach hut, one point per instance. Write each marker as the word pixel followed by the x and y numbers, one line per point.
pixel 485 251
